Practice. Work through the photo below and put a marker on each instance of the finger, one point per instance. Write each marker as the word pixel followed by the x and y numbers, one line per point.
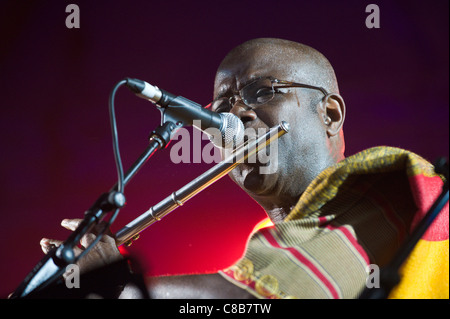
pixel 48 244
pixel 87 239
pixel 71 224
pixel 77 250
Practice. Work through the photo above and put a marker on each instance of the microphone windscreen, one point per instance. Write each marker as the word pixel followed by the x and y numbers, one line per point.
pixel 232 130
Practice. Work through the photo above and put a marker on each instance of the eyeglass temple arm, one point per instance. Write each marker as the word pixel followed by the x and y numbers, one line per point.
pixel 293 84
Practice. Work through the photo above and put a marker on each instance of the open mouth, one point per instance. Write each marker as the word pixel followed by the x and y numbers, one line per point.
pixel 260 150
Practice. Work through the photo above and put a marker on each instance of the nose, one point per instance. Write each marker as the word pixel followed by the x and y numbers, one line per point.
pixel 242 111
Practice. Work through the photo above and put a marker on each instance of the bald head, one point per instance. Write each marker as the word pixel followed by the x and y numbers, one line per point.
pixel 307 65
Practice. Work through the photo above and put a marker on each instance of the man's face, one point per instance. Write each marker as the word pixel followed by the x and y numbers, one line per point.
pixel 301 151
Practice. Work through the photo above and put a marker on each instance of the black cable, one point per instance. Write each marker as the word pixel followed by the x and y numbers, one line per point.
pixel 119 167
pixel 112 118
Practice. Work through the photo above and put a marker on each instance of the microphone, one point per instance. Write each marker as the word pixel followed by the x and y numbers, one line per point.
pixel 186 112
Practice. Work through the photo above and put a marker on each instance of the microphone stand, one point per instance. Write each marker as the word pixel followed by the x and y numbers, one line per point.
pixel 53 265
pixel 389 275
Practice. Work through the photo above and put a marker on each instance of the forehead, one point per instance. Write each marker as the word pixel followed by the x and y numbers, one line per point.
pixel 242 67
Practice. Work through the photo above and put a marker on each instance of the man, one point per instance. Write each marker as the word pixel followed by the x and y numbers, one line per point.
pixel 330 224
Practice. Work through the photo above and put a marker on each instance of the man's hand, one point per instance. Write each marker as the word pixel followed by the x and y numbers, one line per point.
pixel 189 286
pixel 103 253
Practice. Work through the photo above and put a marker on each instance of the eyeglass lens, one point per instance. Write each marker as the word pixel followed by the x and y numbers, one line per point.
pixel 258 92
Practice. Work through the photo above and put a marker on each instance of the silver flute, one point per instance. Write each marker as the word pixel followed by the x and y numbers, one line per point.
pixel 131 231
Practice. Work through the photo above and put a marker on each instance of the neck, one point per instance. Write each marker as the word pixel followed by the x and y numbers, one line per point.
pixel 278 214
pixel 280 203
pixel 277 208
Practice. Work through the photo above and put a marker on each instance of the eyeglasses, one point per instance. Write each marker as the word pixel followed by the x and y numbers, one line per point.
pixel 258 92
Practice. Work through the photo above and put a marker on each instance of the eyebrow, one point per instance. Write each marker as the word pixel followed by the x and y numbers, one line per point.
pixel 251 79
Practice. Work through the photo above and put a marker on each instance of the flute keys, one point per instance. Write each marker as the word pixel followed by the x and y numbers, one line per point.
pixel 132 240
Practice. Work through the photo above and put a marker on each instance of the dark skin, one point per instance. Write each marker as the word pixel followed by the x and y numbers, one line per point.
pixel 314 142
pixel 310 144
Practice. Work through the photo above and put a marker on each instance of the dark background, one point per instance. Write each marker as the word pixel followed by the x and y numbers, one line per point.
pixel 56 146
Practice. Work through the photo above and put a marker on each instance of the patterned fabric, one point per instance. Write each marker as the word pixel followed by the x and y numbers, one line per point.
pixel 355 213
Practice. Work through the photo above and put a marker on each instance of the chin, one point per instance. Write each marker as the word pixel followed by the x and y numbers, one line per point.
pixel 252 181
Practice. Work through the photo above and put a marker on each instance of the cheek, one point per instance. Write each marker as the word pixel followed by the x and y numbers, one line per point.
pixel 305 139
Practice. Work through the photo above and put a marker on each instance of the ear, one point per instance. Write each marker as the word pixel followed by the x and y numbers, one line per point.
pixel 333 113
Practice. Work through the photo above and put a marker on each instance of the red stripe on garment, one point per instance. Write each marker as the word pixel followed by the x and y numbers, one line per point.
pixel 353 241
pixel 425 191
pixel 323 220
pixel 300 257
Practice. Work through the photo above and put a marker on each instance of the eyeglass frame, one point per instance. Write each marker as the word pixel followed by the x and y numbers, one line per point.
pixel 287 84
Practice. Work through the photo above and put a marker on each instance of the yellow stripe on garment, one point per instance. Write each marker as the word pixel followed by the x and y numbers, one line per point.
pixel 266 222
pixel 425 274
